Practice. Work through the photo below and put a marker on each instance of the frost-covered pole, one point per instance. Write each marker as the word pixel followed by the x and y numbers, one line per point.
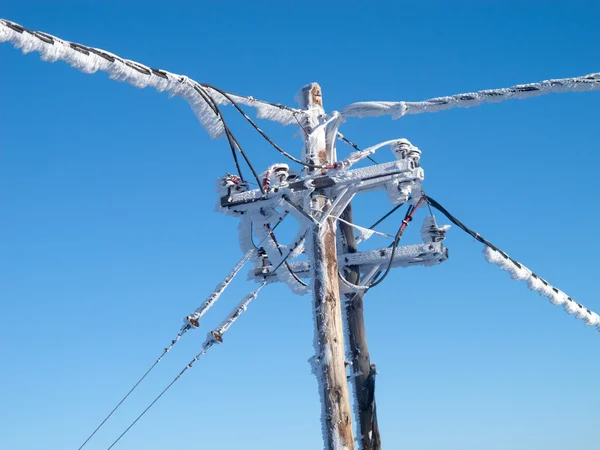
pixel 363 372
pixel 329 360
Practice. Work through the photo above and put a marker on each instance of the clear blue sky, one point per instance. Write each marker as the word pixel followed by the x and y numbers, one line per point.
pixel 108 235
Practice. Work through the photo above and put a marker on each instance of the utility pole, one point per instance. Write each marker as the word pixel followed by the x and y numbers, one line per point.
pixel 363 372
pixel 329 360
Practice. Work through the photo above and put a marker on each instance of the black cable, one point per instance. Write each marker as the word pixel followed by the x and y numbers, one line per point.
pixel 233 142
pixel 462 226
pixel 397 239
pixel 480 238
pixel 261 132
pixel 388 214
pixel 165 351
pixel 353 145
pixel 212 104
pixel 385 216
pixel 287 265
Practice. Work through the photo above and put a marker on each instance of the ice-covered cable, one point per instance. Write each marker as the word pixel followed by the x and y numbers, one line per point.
pixel 219 331
pixel 398 109
pixel 193 318
pixel 90 60
pixel 214 337
pixel 519 272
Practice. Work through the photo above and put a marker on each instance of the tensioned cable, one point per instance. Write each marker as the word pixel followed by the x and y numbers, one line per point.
pixel 353 145
pixel 192 318
pixel 214 337
pixel 522 91
pixel 166 350
pixel 519 272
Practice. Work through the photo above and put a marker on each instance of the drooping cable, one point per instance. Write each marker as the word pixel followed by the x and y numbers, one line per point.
pixel 261 132
pixel 407 219
pixel 90 60
pixel 233 142
pixel 519 272
pixel 214 337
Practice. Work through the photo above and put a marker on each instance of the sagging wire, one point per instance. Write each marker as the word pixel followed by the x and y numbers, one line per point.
pixel 520 272
pixel 261 132
pixel 214 337
pixel 233 142
pixel 375 275
pixel 376 271
pixel 407 219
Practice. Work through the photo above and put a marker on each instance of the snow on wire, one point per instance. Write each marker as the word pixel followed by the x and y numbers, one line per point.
pixel 90 60
pixel 521 91
pixel 520 272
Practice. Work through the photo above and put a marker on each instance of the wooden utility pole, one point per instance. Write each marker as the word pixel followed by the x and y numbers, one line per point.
pixel 329 360
pixel 362 369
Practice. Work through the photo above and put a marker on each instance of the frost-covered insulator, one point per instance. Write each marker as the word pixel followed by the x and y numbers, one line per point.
pixel 192 320
pixel 403 150
pixel 399 192
pixel 218 337
pixel 275 176
pixel 262 263
pixel 228 184
pixel 431 232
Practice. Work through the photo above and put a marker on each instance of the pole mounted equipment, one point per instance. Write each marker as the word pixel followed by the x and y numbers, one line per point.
pixel 319 198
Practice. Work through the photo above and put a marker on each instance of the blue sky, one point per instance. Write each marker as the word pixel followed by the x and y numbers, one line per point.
pixel 108 236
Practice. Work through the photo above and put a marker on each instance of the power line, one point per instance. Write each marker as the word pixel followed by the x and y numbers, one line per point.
pixel 521 91
pixel 519 271
pixel 90 60
pixel 407 219
pixel 166 350
pixel 214 337
pixel 353 145
pixel 262 133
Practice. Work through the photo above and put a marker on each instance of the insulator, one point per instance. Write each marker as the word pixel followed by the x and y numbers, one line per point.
pixel 229 183
pixel 218 337
pixel 404 150
pixel 275 176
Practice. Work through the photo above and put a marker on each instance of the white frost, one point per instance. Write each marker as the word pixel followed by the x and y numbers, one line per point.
pixel 89 60
pixel 521 91
pixel 541 286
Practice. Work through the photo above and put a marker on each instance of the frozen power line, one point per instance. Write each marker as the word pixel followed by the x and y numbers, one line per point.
pixel 521 91
pixel 90 60
pixel 519 272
